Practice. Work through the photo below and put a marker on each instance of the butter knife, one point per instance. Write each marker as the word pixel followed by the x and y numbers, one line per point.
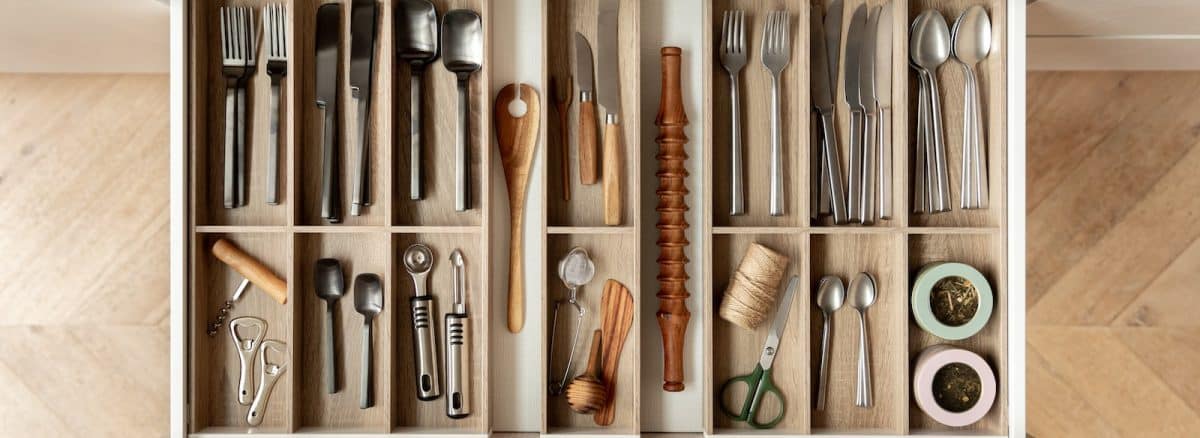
pixel 883 95
pixel 866 75
pixel 854 43
pixel 362 62
pixel 822 98
pixel 328 35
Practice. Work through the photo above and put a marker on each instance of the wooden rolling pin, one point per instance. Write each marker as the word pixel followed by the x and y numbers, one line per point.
pixel 251 269
pixel 616 317
pixel 673 314
pixel 517 138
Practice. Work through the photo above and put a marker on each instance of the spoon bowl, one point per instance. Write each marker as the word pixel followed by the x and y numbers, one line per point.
pixel 972 35
pixel 930 46
pixel 417 39
pixel 368 301
pixel 862 292
pixel 462 42
pixel 831 294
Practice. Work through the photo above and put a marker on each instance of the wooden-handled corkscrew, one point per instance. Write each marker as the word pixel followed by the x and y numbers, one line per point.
pixel 673 314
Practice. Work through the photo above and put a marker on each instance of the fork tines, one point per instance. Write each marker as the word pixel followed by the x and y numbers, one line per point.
pixel 233 39
pixel 777 39
pixel 275 30
pixel 733 40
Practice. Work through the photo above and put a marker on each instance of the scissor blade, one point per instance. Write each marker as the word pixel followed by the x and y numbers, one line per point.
pixel 781 319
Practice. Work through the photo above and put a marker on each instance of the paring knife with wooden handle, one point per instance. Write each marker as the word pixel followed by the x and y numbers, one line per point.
pixel 589 162
pixel 608 94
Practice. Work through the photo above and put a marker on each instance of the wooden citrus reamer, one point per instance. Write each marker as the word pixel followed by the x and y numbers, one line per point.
pixel 673 314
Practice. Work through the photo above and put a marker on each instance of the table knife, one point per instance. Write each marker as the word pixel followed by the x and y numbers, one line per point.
pixel 866 77
pixel 833 53
pixel 822 98
pixel 586 137
pixel 363 14
pixel 608 95
pixel 329 33
pixel 850 71
pixel 883 95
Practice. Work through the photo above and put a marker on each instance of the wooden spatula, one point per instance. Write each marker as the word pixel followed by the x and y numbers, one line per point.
pixel 517 136
pixel 616 317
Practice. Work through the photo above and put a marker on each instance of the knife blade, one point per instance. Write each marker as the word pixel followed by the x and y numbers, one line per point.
pixel 328 37
pixel 853 92
pixel 586 137
pixel 608 95
pixel 362 62
pixel 833 41
pixel 883 94
pixel 830 172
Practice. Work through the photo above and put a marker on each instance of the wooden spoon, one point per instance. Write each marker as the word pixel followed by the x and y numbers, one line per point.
pixel 517 137
pixel 616 317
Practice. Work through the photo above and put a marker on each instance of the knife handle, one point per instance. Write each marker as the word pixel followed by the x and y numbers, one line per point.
pixel 588 163
pixel 612 171
pixel 331 208
pixel 362 181
pixel 855 178
pixel 868 166
pixel 883 136
pixel 832 168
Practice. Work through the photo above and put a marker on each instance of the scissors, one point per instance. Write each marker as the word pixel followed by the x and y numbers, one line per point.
pixel 759 382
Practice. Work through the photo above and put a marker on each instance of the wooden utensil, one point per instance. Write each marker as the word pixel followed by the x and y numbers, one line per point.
pixel 613 161
pixel 586 394
pixel 517 137
pixel 672 226
pixel 616 317
pixel 562 103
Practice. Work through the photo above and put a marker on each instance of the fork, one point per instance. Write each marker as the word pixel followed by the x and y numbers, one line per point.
pixel 233 66
pixel 247 24
pixel 275 31
pixel 776 54
pixel 733 59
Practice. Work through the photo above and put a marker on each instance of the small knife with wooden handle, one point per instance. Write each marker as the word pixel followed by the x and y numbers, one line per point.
pixel 608 94
pixel 588 160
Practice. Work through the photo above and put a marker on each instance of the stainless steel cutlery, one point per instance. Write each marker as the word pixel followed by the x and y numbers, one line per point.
pixel 275 29
pixel 368 301
pixel 328 53
pixel 462 45
pixel 972 42
pixel 457 336
pixel 929 47
pixel 363 16
pixel 238 44
pixel 854 100
pixel 883 98
pixel 417 45
pixel 831 197
pixel 733 58
pixel 776 54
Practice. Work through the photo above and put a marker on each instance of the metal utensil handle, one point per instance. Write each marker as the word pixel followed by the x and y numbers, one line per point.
pixel 258 409
pixel 245 382
pixel 868 170
pixel 362 180
pixel 884 139
pixel 823 378
pixel 776 207
pixel 855 179
pixel 428 386
pixel 462 178
pixel 416 187
pixel 366 386
pixel 833 168
pixel 330 354
pixel 243 139
pixel 330 189
pixel 273 146
pixel 816 187
pixel 863 396
pixel 966 185
pixel 941 198
pixel 231 122
pixel 458 378
pixel 981 169
pixel 737 178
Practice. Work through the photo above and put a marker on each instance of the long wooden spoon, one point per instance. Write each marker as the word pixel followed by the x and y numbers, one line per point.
pixel 517 136
pixel 616 318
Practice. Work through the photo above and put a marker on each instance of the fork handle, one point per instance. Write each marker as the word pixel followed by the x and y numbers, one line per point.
pixel 274 145
pixel 243 139
pixel 231 122
pixel 738 187
pixel 776 195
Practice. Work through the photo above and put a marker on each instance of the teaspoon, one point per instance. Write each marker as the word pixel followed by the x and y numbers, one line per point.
pixel 972 43
pixel 831 293
pixel 930 49
pixel 860 297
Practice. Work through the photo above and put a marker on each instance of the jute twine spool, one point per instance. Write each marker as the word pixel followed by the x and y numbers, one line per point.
pixel 750 295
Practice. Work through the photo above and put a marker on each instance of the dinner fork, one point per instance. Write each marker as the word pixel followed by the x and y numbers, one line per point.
pixel 233 66
pixel 776 54
pixel 275 30
pixel 247 24
pixel 733 59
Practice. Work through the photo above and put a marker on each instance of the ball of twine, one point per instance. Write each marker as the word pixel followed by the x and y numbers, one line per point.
pixel 752 290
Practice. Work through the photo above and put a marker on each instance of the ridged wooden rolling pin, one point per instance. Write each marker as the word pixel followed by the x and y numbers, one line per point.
pixel 673 314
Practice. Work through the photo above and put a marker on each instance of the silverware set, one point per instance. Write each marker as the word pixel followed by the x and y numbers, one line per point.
pixel 329 284
pixel 932 43
pixel 239 44
pixel 776 54
pixel 832 293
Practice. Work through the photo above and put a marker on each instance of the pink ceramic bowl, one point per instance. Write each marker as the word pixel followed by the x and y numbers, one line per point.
pixel 928 364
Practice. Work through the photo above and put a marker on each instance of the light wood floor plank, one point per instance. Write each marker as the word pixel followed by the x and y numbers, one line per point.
pixel 1113 380
pixel 1172 299
pixel 1173 354
pixel 1054 407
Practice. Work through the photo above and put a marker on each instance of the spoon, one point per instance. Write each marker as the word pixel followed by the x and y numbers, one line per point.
pixel 972 36
pixel 575 269
pixel 516 134
pixel 368 300
pixel 861 296
pixel 462 44
pixel 328 279
pixel 831 293
pixel 930 49
pixel 416 44
pixel 418 260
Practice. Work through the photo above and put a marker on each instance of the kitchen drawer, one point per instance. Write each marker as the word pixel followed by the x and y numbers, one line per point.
pixel 528 41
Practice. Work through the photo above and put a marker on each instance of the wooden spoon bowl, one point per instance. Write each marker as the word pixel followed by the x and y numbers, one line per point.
pixel 587 393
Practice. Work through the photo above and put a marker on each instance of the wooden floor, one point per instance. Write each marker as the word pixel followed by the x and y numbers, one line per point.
pixel 1113 251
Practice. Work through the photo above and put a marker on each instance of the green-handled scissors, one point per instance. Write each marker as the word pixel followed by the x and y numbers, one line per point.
pixel 759 382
